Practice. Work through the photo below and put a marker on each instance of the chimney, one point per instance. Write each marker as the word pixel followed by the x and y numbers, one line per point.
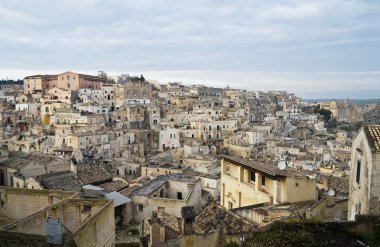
pixel 73 167
pixel 188 217
pixel 325 184
pixel 157 236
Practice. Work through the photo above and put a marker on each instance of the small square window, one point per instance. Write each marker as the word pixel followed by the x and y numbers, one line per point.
pixel 86 208
pixel 179 195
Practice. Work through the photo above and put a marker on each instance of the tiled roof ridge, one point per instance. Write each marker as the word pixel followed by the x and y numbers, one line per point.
pixel 373 134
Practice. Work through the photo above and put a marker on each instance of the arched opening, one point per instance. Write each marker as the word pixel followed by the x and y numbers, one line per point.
pixel 22 148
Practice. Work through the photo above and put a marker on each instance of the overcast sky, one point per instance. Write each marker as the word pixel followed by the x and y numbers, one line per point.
pixel 317 49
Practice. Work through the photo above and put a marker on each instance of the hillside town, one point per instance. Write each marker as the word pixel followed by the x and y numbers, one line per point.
pixel 120 160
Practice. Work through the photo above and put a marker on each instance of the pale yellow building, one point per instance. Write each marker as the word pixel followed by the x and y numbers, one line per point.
pixel 246 182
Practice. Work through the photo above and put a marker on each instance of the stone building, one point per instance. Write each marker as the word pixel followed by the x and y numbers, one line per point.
pixel 246 182
pixel 169 193
pixel 60 95
pixel 157 169
pixel 169 139
pixel 37 82
pixel 137 89
pixel 365 170
pixel 19 172
pixel 213 226
pixel 213 129
pixel 78 222
pixel 68 81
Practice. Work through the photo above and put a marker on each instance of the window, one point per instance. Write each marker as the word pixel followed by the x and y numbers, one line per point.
pixel 253 177
pixel 179 195
pixel 68 85
pixel 358 167
pixel 358 208
pixel 263 181
pixel 227 168
pixel 86 208
pixel 230 205
pixel 141 207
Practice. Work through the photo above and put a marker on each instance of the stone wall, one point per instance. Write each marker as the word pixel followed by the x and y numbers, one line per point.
pixel 93 226
pixel 364 197
pixel 99 230
pixel 19 203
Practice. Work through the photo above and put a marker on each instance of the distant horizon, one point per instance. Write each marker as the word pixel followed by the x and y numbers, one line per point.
pixel 163 79
pixel 316 49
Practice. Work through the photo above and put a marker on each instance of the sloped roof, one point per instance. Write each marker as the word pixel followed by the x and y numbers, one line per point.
pixel 118 199
pixel 66 181
pixel 373 134
pixel 262 166
pixel 339 184
pixel 159 181
pixel 15 163
pixel 212 214
pixel 167 220
pixel 93 175
pixel 116 185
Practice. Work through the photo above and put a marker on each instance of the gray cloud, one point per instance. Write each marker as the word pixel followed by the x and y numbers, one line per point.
pixel 252 40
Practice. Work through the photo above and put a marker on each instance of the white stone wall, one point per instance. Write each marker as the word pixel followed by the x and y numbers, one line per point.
pixel 169 138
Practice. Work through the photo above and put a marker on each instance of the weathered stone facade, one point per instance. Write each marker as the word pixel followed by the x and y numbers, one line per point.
pixel 364 197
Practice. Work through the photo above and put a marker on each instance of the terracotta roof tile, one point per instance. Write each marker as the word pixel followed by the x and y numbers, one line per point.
pixel 207 219
pixel 66 181
pixel 93 175
pixel 373 134
pixel 114 186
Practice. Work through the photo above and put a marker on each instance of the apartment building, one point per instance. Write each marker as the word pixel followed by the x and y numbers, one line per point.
pixel 247 182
